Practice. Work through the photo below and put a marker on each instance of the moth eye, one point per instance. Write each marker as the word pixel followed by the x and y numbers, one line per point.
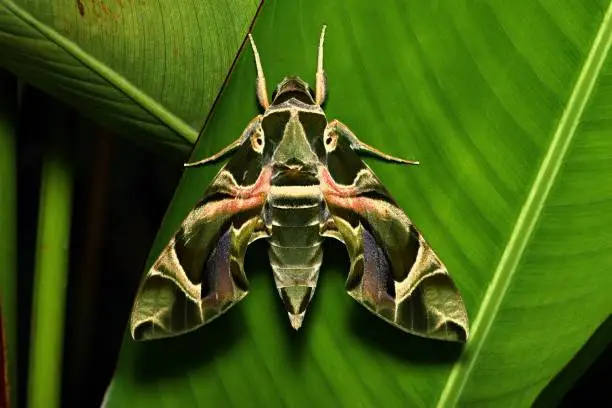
pixel 330 140
pixel 257 142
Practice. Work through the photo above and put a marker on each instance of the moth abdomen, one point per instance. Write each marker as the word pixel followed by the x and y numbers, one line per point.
pixel 296 272
pixel 296 251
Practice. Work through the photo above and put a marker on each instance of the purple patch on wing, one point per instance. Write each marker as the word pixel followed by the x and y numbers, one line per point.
pixel 217 282
pixel 377 285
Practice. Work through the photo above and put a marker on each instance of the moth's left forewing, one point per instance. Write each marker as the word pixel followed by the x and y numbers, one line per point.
pixel 394 272
pixel 200 272
pixel 192 283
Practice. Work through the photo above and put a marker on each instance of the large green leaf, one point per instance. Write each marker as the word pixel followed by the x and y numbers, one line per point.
pixel 507 106
pixel 149 69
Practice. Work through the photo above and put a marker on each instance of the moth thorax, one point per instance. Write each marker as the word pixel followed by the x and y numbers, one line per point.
pixel 295 213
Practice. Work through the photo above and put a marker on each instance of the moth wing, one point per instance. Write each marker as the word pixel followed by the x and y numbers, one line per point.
pixel 200 273
pixel 394 272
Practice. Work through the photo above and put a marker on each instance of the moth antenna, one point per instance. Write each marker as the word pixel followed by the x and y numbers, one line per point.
pixel 321 87
pixel 262 90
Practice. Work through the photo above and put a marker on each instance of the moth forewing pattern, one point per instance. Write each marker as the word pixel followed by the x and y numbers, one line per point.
pixel 294 178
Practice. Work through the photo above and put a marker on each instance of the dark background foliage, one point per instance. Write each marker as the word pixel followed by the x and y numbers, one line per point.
pixel 121 194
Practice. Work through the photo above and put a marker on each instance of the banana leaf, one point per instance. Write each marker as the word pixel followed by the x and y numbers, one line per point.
pixel 506 105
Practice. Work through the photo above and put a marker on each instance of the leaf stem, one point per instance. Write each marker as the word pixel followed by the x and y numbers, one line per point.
pixel 50 280
pixel 8 240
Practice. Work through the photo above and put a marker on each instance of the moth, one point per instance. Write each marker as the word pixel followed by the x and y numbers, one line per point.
pixel 295 179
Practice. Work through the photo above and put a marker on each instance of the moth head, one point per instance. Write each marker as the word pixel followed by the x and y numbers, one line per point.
pixel 293 87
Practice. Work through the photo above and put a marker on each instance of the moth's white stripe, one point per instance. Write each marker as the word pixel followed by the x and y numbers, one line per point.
pixel 294 206
pixel 313 191
pixel 530 212
pixel 302 225
pixel 290 198
pixel 317 244
pixel 314 267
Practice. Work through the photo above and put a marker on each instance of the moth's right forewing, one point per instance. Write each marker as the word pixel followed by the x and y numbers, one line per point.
pixel 394 272
pixel 200 272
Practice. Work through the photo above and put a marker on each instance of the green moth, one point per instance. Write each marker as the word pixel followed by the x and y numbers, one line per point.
pixel 294 179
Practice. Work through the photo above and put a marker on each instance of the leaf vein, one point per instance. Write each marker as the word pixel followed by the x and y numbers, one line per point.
pixel 114 78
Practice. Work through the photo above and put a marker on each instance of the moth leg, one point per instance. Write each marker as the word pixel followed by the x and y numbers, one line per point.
pixel 251 127
pixel 262 90
pixel 321 87
pixel 358 145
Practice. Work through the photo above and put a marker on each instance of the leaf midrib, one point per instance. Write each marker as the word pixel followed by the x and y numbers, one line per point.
pixel 530 212
pixel 119 82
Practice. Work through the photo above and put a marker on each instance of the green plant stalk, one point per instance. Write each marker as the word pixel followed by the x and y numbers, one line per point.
pixel 8 231
pixel 50 281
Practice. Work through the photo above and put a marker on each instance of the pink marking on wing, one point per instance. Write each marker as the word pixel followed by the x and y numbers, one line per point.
pixel 260 187
pixel 330 186
pixel 246 198
pixel 342 196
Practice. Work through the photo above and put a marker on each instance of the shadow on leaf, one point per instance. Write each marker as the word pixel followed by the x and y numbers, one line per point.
pixel 375 332
pixel 176 356
pixel 295 340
